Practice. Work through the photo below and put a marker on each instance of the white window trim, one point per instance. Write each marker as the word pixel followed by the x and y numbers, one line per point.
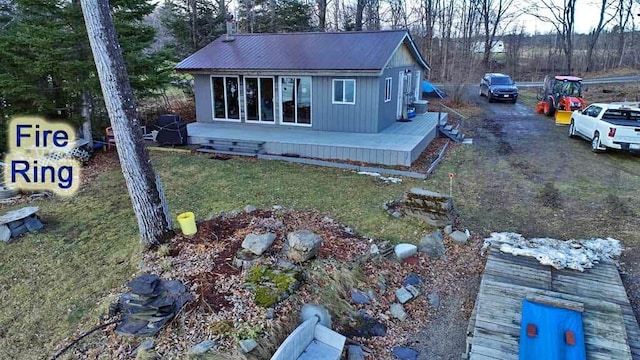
pixel 273 91
pixel 226 111
pixel 295 123
pixel 344 93
pixel 388 81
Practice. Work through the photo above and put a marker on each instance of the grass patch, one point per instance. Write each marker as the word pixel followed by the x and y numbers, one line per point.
pixel 54 281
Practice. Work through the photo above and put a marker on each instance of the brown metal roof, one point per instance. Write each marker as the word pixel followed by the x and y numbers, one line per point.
pixel 337 51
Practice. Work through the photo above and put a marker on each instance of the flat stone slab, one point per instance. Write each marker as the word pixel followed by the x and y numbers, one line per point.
pixel 258 243
pixel 18 214
pixel 403 295
pixel 404 251
pixel 248 345
pixel 397 310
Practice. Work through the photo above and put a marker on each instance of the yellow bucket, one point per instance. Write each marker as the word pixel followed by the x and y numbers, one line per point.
pixel 187 223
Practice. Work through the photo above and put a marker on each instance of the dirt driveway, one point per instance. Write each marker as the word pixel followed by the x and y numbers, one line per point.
pixel 523 174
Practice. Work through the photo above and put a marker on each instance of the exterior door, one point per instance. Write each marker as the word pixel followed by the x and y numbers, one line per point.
pixel 400 95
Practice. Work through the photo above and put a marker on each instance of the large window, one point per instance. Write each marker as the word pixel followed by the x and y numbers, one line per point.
pixel 344 91
pixel 258 94
pixel 387 89
pixel 226 102
pixel 295 100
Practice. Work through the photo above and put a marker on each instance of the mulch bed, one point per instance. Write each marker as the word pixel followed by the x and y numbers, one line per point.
pixel 204 263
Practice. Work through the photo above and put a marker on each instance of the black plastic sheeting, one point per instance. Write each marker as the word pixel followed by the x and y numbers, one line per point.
pixel 150 304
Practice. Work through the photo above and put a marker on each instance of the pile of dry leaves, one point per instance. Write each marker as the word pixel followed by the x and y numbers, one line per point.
pixel 223 309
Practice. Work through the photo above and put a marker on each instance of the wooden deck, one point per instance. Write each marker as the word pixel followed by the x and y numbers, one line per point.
pixel 399 144
pixel 610 327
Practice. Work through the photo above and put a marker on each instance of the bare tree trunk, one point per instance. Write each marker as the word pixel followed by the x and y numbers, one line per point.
pixel 86 118
pixel 144 187
pixel 272 14
pixel 336 15
pixel 322 14
pixel 623 14
pixel 360 5
pixel 595 33
pixel 194 24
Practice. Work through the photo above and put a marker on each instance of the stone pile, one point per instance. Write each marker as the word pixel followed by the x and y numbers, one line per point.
pixel 433 208
pixel 151 303
pixel 19 222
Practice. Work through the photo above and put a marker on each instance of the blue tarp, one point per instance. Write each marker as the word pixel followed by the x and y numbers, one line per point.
pixel 551 323
pixel 432 90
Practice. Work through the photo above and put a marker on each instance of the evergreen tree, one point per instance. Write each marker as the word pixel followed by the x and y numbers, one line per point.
pixel 255 16
pixel 47 69
pixel 193 24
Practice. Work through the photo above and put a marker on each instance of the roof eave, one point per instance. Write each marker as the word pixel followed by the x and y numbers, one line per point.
pixel 327 72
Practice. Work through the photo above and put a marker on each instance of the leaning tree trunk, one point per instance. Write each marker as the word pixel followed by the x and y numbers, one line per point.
pixel 144 186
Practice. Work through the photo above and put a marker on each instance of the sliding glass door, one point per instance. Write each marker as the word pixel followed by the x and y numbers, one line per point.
pixel 295 100
pixel 258 94
pixel 226 102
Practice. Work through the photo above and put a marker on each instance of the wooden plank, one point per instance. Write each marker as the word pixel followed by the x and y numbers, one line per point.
pixel 499 277
pixel 481 351
pixel 600 272
pixel 556 302
pixel 476 356
pixel 508 349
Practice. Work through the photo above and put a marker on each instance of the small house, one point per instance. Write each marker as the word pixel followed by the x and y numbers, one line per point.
pixel 496 48
pixel 323 95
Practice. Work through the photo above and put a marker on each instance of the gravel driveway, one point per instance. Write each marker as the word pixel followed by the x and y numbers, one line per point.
pixel 524 174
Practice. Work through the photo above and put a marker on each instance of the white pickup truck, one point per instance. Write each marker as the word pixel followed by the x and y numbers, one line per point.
pixel 615 126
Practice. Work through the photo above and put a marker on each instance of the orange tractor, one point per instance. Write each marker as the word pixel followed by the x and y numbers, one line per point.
pixel 560 96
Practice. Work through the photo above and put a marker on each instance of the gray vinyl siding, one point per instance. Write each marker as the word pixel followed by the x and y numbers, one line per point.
pixel 361 117
pixel 388 110
pixel 202 89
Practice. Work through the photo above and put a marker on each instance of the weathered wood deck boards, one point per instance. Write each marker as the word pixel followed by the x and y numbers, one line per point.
pixel 611 330
pixel 399 144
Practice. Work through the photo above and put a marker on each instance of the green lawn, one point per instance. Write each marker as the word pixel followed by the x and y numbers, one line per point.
pixel 59 279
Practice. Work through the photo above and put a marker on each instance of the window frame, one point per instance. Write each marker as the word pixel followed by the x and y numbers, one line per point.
pixel 388 89
pixel 280 113
pixel 344 92
pixel 244 93
pixel 226 109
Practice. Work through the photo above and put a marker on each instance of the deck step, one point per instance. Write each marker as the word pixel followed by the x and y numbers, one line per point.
pixel 229 147
pixel 453 134
pixel 214 151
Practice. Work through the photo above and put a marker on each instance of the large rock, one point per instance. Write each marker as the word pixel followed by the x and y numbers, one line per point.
pixel 459 237
pixel 302 245
pixel 359 298
pixel 432 244
pixel 366 326
pixel 405 353
pixel 309 310
pixel 404 251
pixel 258 243
pixel 433 208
